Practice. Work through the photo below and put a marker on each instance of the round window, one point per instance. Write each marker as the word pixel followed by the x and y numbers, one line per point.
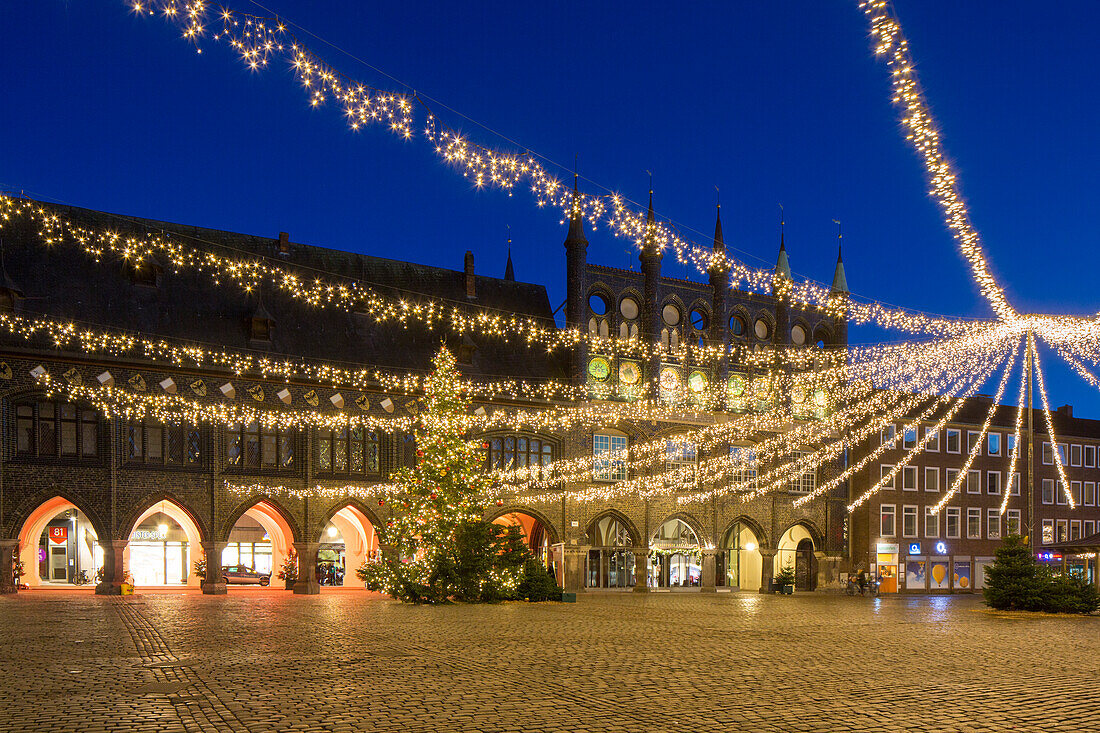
pixel 598 304
pixel 670 380
pixel 699 319
pixel 798 335
pixel 599 369
pixel 737 386
pixel 671 315
pixel 629 308
pixel 697 382
pixel 761 328
pixel 737 326
pixel 629 373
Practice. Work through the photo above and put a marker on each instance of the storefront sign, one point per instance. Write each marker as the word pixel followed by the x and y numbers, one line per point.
pixel 886 549
pixel 941 548
pixel 914 548
pixel 148 534
pixel 59 535
pixel 1048 556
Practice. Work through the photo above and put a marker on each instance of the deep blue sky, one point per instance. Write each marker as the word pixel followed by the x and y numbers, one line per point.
pixel 775 102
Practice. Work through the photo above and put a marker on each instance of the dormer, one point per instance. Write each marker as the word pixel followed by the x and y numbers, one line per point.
pixel 10 293
pixel 261 325
pixel 145 273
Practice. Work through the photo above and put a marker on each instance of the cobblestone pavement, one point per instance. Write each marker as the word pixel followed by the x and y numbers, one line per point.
pixel 344 661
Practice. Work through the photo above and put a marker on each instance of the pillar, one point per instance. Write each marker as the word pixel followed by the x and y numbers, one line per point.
pixel 641 570
pixel 708 584
pixel 114 567
pixel 767 569
pixel 214 582
pixel 8 548
pixel 307 584
pixel 575 558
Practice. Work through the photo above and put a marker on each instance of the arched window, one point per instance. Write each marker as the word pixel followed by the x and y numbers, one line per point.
pixel 505 452
pixel 56 430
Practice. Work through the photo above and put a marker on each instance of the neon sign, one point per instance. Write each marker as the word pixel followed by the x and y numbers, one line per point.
pixel 914 548
pixel 941 548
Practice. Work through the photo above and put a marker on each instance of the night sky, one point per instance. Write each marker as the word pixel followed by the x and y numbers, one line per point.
pixel 774 102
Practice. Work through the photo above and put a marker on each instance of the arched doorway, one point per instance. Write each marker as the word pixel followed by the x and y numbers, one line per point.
pixel 348 540
pixel 260 539
pixel 796 549
pixel 539 536
pixel 58 542
pixel 611 560
pixel 163 544
pixel 675 556
pixel 739 563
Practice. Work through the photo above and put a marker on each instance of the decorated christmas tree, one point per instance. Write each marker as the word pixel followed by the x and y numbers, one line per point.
pixel 440 548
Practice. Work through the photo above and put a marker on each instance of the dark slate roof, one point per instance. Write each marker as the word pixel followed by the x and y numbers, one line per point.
pixel 1092 542
pixel 65 283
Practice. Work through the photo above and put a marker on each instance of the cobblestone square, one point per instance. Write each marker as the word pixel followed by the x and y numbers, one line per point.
pixel 349 661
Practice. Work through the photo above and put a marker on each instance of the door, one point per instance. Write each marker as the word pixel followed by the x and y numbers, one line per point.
pixel 804 574
pixel 59 562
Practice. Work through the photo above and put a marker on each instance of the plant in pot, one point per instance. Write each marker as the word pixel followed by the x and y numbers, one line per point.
pixel 289 571
pixel 200 569
pixel 18 570
pixel 784 580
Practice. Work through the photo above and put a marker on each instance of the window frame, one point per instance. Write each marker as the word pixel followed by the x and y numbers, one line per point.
pixel 973 512
pixel 609 470
pixel 1089 455
pixel 906 472
pixel 977 475
pixel 29 423
pixel 1013 518
pixel 953 513
pixel 186 434
pixel 882 513
pixel 1048 454
pixel 931 516
pixel 241 433
pixel 1088 497
pixel 1044 537
pixel 932 445
pixel 955 433
pixel 883 470
pixel 933 471
pixel 992 515
pixel 993 477
pixel 1075 448
pixel 907 444
pixel 1047 484
pixel 990 437
pixel 330 441
pixel 909 512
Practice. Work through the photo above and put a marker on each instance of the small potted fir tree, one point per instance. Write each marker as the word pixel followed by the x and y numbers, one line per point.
pixel 289 571
pixel 784 580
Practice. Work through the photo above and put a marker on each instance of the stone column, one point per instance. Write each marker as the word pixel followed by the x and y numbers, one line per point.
pixel 114 570
pixel 767 569
pixel 575 558
pixel 214 583
pixel 307 584
pixel 709 571
pixel 641 570
pixel 8 549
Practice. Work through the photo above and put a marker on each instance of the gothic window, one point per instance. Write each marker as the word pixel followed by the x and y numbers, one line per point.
pixel 249 445
pixel 352 450
pixel 506 452
pixel 56 430
pixel 170 445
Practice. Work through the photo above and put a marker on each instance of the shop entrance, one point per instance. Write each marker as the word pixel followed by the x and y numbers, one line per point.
pixel 675 557
pixel 796 550
pixel 610 562
pixel 162 547
pixel 58 545
pixel 260 540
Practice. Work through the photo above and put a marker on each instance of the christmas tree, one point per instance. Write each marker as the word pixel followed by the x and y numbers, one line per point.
pixel 440 548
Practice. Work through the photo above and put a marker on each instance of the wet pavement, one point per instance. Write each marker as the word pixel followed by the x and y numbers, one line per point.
pixel 349 661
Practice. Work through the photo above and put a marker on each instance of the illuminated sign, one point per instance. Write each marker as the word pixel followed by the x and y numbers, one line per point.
pixel 148 534
pixel 941 548
pixel 914 548
pixel 886 549
pixel 59 535
pixel 1047 555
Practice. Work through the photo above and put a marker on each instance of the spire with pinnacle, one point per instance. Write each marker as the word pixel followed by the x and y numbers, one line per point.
pixel 782 265
pixel 718 263
pixel 840 283
pixel 576 220
pixel 509 272
pixel 649 240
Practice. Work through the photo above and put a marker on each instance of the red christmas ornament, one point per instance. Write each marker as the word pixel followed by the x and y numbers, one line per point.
pixel 433 496
pixel 420 454
pixel 500 502
pixel 484 445
pixel 381 502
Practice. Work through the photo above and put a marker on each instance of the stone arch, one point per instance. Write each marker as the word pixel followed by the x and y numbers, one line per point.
pixel 673 560
pixel 756 528
pixel 822 334
pixel 739 561
pixel 635 295
pixel 631 528
pixel 692 522
pixel 280 526
pixel 35 513
pixel 358 526
pixel 739 311
pixel 797 546
pixel 277 512
pixel 703 307
pixel 503 511
pixel 769 319
pixel 806 329
pixel 172 507
pixel 811 529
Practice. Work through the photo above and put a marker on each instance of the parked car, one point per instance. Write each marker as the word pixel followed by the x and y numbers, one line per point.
pixel 245 575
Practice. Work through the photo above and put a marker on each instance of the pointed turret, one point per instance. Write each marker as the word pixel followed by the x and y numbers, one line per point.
pixel 719 283
pixel 783 265
pixel 576 220
pixel 840 283
pixel 509 271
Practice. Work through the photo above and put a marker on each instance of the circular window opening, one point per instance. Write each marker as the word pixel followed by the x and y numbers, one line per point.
pixel 629 308
pixel 798 335
pixel 671 315
pixel 761 328
pixel 699 320
pixel 598 304
pixel 737 326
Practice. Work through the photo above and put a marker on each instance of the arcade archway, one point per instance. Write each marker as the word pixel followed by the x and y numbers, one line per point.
pixel 796 548
pixel 739 562
pixel 163 544
pixel 610 562
pixel 57 543
pixel 675 556
pixel 538 534
pixel 348 541
pixel 260 539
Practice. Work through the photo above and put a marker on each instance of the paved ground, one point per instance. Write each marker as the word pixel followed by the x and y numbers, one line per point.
pixel 348 661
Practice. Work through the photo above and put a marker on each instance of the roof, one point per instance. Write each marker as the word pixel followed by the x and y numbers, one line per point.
pixel 1092 542
pixel 65 283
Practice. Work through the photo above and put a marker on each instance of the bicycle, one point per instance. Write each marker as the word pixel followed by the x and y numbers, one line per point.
pixel 871 587
pixel 81 578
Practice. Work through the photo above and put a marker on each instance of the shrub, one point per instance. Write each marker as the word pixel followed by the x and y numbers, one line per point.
pixel 537 584
pixel 1069 594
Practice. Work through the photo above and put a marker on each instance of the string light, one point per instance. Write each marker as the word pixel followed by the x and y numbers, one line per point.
pixel 1015 441
pixel 1050 428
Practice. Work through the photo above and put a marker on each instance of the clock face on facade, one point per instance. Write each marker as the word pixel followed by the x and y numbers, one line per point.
pixel 697 382
pixel 599 369
pixel 820 398
pixel 629 373
pixel 798 395
pixel 670 380
pixel 737 386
